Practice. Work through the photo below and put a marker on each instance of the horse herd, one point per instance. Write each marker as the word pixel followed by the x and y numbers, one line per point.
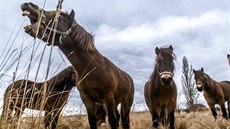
pixel 101 84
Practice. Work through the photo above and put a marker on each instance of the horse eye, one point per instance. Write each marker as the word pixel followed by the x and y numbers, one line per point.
pixel 158 60
pixel 204 78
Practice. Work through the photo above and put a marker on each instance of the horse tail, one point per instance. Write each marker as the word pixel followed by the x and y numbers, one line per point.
pixel 6 105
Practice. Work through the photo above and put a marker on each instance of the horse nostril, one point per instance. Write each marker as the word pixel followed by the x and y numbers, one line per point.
pixel 166 80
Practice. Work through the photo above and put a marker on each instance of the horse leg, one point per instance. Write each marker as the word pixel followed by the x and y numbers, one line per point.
pixel 100 114
pixel 54 119
pixel 118 117
pixel 224 113
pixel 162 117
pixel 125 110
pixel 111 109
pixel 155 119
pixel 91 112
pixel 213 110
pixel 171 118
pixel 7 110
pixel 47 119
pixel 228 108
pixel 18 111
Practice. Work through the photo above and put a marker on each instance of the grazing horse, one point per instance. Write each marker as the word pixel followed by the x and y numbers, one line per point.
pixel 23 94
pixel 100 81
pixel 228 56
pixel 214 92
pixel 160 91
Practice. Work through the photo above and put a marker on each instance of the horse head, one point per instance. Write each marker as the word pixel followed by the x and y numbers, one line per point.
pixel 50 26
pixel 73 75
pixel 201 79
pixel 164 64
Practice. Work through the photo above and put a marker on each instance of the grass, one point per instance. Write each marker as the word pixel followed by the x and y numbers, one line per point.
pixel 139 120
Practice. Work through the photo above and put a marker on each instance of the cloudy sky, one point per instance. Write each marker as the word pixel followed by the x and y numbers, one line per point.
pixel 126 32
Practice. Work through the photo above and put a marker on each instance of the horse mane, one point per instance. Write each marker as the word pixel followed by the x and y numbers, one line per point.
pixel 62 76
pixel 84 38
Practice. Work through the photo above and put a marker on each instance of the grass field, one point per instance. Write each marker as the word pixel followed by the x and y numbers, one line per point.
pixel 140 120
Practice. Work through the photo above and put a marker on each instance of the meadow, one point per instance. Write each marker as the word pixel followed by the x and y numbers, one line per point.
pixel 139 120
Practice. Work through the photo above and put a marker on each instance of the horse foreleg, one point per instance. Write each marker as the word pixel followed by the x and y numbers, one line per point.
pixel 163 117
pixel 111 109
pixel 18 111
pixel 214 112
pixel 155 119
pixel 171 120
pixel 91 111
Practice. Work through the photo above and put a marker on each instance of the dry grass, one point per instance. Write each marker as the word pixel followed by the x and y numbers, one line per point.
pixel 141 120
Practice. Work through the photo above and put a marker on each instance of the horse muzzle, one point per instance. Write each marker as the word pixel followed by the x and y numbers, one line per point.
pixel 166 78
pixel 199 87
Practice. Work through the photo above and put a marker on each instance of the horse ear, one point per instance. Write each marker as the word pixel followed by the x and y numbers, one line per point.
pixel 71 15
pixel 202 69
pixel 194 71
pixel 170 47
pixel 157 50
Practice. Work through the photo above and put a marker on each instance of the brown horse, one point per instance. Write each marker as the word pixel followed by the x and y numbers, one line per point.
pixel 99 79
pixel 228 56
pixel 214 92
pixel 160 91
pixel 23 94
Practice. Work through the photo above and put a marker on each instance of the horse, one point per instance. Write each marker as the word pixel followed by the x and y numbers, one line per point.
pixel 24 93
pixel 100 81
pixel 160 90
pixel 214 92
pixel 228 56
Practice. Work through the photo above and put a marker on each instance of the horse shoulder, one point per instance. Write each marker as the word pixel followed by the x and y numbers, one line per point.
pixel 208 97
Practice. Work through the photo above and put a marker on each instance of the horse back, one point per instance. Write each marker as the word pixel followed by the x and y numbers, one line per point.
pixel 225 86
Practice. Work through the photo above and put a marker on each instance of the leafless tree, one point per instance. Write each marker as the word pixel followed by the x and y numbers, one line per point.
pixel 188 85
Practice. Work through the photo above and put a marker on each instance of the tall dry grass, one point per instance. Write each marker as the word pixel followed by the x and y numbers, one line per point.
pixel 139 120
pixel 20 59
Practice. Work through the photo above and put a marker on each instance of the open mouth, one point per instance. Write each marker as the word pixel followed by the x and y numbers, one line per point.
pixel 33 12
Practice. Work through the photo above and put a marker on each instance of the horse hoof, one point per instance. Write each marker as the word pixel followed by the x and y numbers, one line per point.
pixel 103 124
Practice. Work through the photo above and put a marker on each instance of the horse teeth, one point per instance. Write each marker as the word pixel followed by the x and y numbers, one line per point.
pixel 25 13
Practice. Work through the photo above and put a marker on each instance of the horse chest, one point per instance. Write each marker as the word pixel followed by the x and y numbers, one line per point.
pixel 163 95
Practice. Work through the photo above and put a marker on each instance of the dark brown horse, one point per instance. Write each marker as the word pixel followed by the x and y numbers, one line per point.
pixel 214 92
pixel 23 94
pixel 160 91
pixel 99 79
pixel 228 56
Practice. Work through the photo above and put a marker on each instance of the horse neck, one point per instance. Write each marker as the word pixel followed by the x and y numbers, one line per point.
pixel 210 84
pixel 80 50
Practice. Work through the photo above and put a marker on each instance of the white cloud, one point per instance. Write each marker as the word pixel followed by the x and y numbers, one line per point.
pixel 202 39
